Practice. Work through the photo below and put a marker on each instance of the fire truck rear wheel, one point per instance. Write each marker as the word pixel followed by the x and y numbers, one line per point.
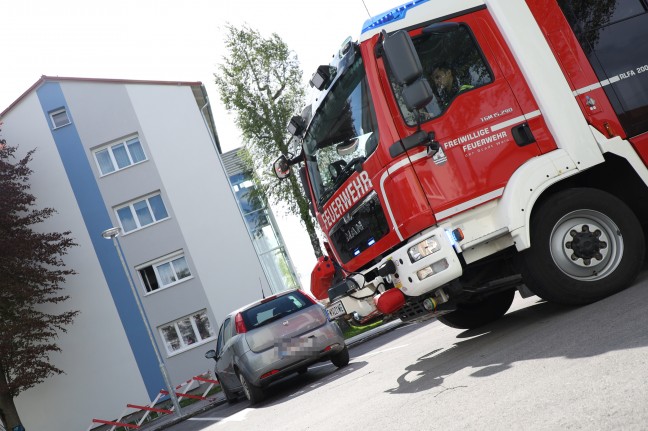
pixel 475 314
pixel 586 244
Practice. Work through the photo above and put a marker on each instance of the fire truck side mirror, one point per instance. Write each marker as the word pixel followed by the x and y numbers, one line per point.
pixel 418 94
pixel 281 167
pixel 401 56
pixel 405 67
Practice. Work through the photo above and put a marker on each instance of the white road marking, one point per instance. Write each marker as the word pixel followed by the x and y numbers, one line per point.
pixel 237 417
pixel 378 352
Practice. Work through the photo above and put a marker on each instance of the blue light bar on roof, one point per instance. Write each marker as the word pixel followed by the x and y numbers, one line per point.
pixel 391 16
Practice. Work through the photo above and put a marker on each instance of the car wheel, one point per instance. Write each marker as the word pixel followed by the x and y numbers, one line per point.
pixel 475 314
pixel 341 358
pixel 586 244
pixel 229 396
pixel 253 393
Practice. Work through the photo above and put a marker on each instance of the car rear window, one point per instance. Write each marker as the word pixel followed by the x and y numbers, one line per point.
pixel 275 308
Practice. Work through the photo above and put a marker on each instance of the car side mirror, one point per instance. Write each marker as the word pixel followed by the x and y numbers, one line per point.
pixel 211 354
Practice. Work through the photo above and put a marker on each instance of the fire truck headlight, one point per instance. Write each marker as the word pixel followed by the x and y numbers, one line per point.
pixel 423 248
pixel 435 268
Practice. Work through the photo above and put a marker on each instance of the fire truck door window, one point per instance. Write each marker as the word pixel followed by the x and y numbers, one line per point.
pixel 613 35
pixel 452 64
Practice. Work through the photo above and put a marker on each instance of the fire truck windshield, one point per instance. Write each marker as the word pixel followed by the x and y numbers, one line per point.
pixel 342 133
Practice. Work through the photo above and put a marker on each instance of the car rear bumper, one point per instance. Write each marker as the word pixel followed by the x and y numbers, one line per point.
pixel 289 356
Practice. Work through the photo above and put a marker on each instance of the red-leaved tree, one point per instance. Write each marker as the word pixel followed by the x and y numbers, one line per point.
pixel 31 277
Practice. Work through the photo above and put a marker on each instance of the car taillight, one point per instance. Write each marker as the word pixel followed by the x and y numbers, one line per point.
pixel 269 373
pixel 329 348
pixel 239 324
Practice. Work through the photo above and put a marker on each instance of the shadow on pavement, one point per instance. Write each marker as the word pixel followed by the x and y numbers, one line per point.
pixel 298 385
pixel 556 331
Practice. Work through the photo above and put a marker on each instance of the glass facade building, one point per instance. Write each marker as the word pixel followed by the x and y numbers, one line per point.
pixel 261 225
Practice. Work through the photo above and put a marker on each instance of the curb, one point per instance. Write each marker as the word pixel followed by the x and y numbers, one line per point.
pixel 164 424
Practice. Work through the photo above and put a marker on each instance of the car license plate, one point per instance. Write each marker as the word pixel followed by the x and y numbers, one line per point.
pixel 297 347
pixel 336 310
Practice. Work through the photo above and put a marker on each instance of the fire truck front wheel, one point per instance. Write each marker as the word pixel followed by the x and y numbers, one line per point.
pixel 586 244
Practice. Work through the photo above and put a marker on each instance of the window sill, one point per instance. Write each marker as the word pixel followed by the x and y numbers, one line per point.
pixel 143 227
pixel 121 169
pixel 153 292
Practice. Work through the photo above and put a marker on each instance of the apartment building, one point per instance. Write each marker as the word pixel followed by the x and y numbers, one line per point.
pixel 142 156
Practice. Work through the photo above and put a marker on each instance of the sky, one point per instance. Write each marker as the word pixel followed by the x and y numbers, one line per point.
pixel 165 40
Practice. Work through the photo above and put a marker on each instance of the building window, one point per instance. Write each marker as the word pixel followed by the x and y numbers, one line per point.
pixel 183 333
pixel 59 118
pixel 118 156
pixel 141 213
pixel 164 273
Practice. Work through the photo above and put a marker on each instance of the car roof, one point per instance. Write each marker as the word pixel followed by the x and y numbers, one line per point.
pixel 262 300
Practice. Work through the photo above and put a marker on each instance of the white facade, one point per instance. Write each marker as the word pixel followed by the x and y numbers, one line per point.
pixel 189 230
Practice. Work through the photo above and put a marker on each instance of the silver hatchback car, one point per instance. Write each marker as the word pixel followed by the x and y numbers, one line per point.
pixel 271 338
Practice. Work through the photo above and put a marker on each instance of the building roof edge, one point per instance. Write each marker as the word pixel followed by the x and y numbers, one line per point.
pixel 45 78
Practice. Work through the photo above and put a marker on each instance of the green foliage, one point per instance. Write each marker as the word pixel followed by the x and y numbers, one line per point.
pixel 286 274
pixel 261 82
pixel 216 389
pixel 357 330
pixel 31 274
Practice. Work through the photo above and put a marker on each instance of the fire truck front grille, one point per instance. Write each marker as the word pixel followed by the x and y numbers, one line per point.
pixel 360 228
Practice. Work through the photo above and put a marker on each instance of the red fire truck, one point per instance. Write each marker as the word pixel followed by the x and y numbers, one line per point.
pixel 463 150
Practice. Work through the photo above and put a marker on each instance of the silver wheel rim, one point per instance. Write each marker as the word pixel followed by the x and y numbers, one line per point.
pixel 246 390
pixel 586 245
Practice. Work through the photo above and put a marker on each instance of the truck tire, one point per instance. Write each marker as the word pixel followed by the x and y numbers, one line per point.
pixel 253 393
pixel 586 244
pixel 475 314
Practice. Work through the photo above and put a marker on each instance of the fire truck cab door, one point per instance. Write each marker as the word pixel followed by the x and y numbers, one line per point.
pixel 475 116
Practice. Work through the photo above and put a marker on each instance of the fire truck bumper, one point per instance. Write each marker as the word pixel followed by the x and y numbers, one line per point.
pixel 425 263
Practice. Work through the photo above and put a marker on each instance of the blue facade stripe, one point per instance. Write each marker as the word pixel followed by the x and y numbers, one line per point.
pixel 96 218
